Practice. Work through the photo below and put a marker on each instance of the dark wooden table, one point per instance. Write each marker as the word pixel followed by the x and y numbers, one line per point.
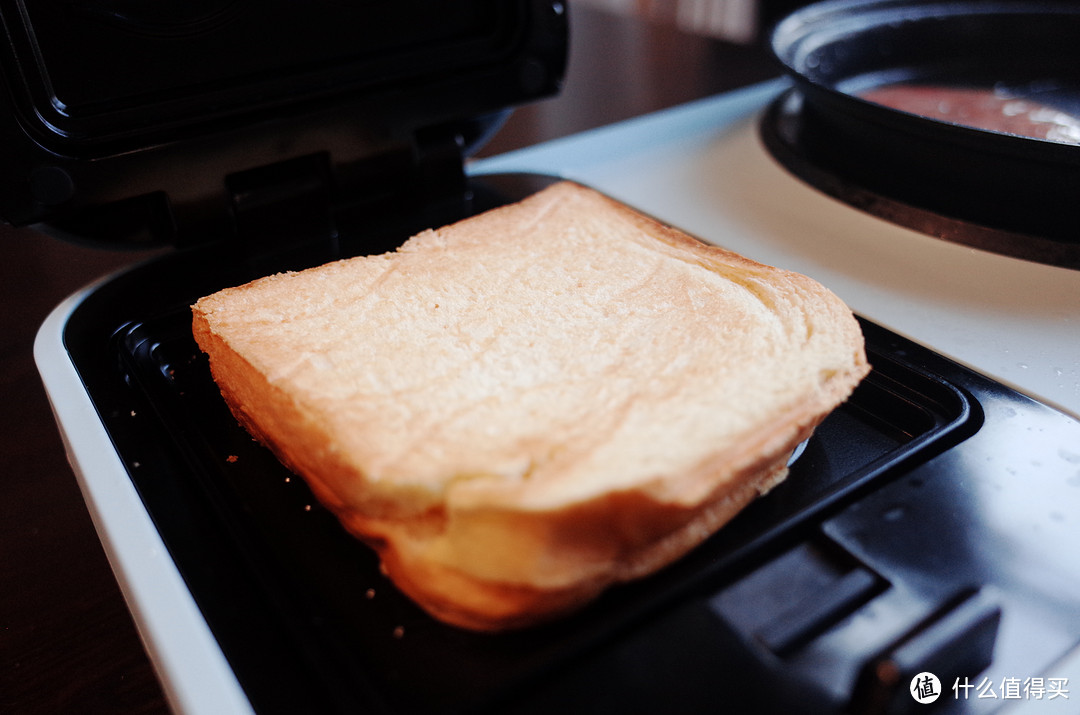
pixel 67 640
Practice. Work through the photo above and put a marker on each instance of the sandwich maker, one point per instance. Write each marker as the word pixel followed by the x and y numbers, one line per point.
pixel 929 527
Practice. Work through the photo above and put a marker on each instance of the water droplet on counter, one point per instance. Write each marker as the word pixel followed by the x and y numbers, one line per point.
pixel 895 513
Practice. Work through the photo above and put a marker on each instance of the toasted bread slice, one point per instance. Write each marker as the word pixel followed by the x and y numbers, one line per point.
pixel 523 408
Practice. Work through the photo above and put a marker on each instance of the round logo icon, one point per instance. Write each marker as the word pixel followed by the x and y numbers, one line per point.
pixel 925 688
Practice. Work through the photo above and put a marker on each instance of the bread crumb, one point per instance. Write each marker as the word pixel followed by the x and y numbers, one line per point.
pixel 231 458
pixel 370 593
pixel 307 507
pixel 399 632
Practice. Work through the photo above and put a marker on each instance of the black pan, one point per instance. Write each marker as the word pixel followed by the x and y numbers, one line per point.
pixel 1004 190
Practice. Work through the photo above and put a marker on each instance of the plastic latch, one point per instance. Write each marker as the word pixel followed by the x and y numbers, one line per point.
pixel 955 641
pixel 788 602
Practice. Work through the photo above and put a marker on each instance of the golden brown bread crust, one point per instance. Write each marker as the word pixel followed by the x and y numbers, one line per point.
pixel 526 540
pixel 612 539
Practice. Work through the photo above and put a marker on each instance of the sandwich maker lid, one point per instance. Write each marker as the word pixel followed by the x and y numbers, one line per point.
pixel 138 124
